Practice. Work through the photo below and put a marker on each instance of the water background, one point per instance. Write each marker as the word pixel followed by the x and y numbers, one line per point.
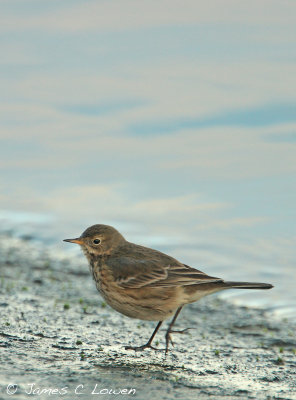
pixel 173 122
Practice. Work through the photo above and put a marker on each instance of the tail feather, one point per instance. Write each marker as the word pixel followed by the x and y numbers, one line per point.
pixel 248 285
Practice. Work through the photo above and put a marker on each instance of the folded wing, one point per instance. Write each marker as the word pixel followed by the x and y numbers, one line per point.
pixel 146 269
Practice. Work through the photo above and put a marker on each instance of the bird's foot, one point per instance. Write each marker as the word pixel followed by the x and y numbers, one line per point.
pixel 182 331
pixel 140 348
pixel 168 338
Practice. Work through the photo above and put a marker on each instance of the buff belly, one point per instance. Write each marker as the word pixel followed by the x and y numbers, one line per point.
pixel 152 305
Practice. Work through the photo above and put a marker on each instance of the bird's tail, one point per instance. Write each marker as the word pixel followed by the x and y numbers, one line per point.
pixel 248 285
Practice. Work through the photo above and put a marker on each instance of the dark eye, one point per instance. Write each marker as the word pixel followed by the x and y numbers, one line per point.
pixel 96 241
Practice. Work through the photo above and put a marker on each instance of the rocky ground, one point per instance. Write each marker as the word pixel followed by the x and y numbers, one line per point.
pixel 58 339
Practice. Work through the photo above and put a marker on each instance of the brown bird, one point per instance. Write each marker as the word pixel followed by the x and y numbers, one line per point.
pixel 143 283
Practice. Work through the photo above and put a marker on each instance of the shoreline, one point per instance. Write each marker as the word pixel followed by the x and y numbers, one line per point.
pixel 56 331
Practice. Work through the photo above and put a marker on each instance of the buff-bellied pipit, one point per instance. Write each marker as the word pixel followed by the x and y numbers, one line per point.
pixel 144 283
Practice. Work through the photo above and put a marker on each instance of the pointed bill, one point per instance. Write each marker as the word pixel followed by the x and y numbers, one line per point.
pixel 77 241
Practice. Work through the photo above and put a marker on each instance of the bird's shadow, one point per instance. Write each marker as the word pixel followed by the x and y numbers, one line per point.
pixel 151 370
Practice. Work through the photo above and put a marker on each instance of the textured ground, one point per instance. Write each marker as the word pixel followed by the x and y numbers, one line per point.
pixel 58 335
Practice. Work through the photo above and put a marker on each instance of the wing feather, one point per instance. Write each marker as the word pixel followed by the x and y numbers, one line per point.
pixel 151 268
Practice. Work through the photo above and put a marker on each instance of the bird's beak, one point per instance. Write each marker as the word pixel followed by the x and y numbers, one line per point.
pixel 77 240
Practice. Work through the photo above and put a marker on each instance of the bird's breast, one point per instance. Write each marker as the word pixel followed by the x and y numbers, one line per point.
pixel 98 271
pixel 154 304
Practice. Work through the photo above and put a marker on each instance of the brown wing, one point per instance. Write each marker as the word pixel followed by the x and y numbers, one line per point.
pixel 143 267
pixel 168 276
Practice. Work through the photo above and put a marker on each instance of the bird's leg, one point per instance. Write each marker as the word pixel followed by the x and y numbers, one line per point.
pixel 148 344
pixel 168 338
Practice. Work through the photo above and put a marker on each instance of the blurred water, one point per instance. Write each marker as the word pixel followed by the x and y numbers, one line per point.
pixel 176 123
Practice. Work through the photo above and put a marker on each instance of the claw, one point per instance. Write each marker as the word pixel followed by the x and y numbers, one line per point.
pixel 183 331
pixel 168 338
pixel 140 348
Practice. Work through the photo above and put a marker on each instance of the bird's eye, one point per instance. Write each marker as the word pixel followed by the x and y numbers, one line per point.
pixel 96 241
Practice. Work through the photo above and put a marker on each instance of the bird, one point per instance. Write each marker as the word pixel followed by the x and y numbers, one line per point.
pixel 144 283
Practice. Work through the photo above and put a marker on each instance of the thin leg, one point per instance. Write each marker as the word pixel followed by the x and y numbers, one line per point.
pixel 168 338
pixel 148 344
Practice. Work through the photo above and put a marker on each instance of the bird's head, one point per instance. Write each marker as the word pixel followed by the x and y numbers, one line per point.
pixel 98 240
